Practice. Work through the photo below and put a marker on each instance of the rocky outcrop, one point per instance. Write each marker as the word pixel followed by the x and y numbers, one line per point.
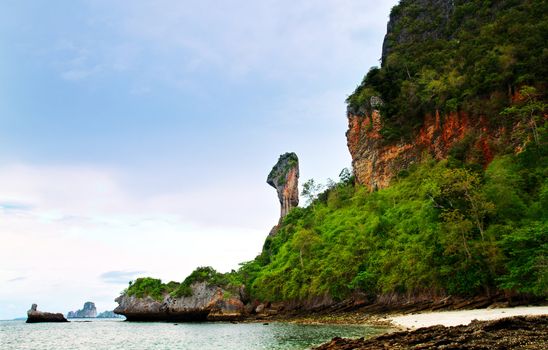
pixel 376 161
pixel 284 177
pixel 206 303
pixel 519 332
pixel 418 121
pixel 88 311
pixel 35 316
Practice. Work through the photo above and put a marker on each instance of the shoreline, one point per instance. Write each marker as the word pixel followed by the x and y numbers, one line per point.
pixel 524 327
pixel 402 321
pixel 463 317
pixel 517 332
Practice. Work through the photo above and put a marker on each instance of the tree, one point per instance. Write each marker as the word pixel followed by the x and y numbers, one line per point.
pixel 457 228
pixel 303 241
pixel 529 110
pixel 527 265
pixel 346 176
pixel 311 189
pixel 461 189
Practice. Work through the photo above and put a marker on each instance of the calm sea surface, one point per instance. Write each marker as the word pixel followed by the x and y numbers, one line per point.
pixel 116 334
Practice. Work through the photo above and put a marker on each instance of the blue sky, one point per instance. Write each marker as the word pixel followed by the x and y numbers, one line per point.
pixel 136 136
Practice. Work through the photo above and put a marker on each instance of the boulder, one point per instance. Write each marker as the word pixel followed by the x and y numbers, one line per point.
pixel 35 316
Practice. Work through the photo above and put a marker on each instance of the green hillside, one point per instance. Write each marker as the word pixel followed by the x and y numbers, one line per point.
pixel 442 227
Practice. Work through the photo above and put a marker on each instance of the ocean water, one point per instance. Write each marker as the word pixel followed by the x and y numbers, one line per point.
pixel 116 334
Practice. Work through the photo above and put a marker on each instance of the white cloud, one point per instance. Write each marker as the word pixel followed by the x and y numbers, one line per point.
pixel 277 40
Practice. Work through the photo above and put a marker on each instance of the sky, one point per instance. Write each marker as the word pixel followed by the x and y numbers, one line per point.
pixel 136 136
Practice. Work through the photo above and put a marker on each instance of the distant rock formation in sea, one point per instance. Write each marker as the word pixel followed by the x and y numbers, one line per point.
pixel 35 316
pixel 88 311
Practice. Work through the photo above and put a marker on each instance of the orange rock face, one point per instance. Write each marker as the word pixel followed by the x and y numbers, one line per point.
pixel 284 177
pixel 376 161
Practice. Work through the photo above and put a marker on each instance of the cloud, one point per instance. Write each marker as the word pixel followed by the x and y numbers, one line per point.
pixel 8 206
pixel 79 74
pixel 20 278
pixel 280 40
pixel 120 277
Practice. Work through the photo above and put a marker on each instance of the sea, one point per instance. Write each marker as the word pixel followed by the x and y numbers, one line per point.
pixel 112 334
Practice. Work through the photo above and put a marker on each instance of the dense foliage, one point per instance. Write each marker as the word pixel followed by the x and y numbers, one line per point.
pixel 146 286
pixel 157 290
pixel 202 274
pixel 445 56
pixel 442 227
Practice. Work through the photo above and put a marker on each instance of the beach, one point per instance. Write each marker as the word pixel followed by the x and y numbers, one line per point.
pixel 462 317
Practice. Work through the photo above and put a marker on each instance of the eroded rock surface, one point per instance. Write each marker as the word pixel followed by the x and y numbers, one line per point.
pixel 284 177
pixel 207 303
pixel 508 333
pixel 35 316
pixel 376 162
pixel 472 135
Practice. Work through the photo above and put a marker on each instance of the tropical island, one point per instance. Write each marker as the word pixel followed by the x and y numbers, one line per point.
pixel 89 310
pixel 446 205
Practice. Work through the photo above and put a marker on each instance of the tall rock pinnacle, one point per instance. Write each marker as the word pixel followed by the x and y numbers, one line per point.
pixel 284 177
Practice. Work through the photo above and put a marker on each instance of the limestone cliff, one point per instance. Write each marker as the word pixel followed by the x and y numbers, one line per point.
pixel 206 303
pixel 450 69
pixel 88 311
pixel 376 161
pixel 284 177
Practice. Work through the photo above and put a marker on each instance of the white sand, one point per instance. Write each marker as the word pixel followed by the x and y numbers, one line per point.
pixel 464 317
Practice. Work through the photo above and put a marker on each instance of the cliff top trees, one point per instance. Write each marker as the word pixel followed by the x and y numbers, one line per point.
pixel 469 56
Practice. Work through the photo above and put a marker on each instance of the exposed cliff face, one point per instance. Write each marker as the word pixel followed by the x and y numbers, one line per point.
pixel 88 311
pixel 449 71
pixel 376 162
pixel 284 177
pixel 207 303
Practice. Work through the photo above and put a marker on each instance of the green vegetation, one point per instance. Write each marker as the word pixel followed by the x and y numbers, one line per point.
pixel 278 174
pixel 441 227
pixel 469 56
pixel 202 274
pixel 155 289
pixel 147 286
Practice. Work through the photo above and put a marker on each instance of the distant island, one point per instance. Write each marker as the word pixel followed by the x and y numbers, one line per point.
pixel 90 311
